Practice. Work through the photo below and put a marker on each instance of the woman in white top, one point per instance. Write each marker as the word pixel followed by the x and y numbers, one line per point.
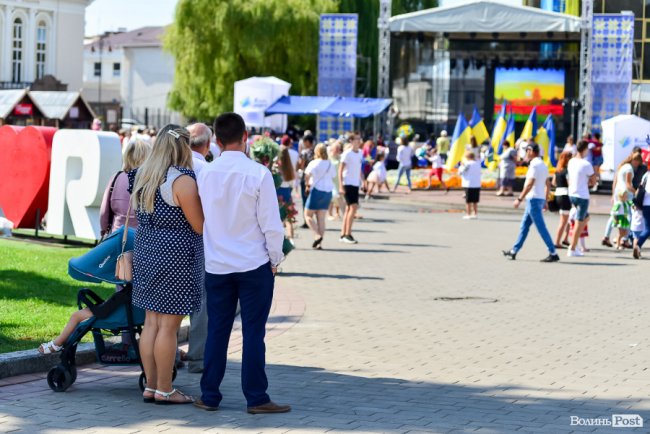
pixel 570 146
pixel 319 177
pixel 404 157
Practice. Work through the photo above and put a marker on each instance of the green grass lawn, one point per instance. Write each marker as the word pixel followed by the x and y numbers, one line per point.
pixel 36 294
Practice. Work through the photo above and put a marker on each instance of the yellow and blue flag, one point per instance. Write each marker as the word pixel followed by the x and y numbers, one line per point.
pixel 459 141
pixel 499 129
pixel 477 125
pixel 530 128
pixel 546 140
pixel 509 135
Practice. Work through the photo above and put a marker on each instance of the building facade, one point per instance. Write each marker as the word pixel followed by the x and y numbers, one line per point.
pixel 39 38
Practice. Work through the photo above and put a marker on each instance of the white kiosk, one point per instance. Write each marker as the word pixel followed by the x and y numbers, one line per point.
pixel 620 135
pixel 254 95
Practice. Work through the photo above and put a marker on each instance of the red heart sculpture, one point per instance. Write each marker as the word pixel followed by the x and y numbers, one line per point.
pixel 25 154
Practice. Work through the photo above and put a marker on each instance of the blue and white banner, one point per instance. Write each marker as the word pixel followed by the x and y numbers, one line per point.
pixel 337 67
pixel 612 52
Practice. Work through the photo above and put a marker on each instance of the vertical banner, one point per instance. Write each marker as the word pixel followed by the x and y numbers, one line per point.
pixel 337 67
pixel 612 52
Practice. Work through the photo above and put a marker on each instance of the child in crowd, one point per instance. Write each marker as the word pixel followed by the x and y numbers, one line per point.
pixel 621 217
pixel 585 232
pixel 637 225
pixel 470 172
pixel 436 169
pixel 377 177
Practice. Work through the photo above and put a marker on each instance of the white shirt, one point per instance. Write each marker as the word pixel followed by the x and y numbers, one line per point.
pixel 638 223
pixel 242 229
pixel 380 169
pixel 538 171
pixel 579 172
pixel 471 174
pixel 570 148
pixel 436 161
pixel 198 162
pixel 621 185
pixel 322 173
pixel 352 169
pixel 404 155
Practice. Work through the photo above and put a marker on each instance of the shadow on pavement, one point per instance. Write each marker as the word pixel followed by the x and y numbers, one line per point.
pixel 322 400
pixel 355 250
pixel 329 276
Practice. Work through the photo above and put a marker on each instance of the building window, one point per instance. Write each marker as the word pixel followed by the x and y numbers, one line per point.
pixel 41 49
pixel 117 69
pixel 17 52
pixel 98 69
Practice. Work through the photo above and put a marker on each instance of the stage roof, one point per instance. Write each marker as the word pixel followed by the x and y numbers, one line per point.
pixel 484 16
pixel 328 106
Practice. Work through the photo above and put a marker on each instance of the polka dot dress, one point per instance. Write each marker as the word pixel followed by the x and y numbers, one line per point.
pixel 168 264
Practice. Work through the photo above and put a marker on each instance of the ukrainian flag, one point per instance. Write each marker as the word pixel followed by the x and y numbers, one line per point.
pixel 479 130
pixel 530 129
pixel 499 129
pixel 459 141
pixel 546 140
pixel 509 135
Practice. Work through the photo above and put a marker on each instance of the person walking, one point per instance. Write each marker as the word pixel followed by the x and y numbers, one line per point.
pixel 167 256
pixel 507 165
pixel 349 181
pixel 405 160
pixel 306 155
pixel 319 176
pixel 243 237
pixel 470 172
pixel 623 185
pixel 581 177
pixel 535 192
pixel 561 184
pixel 442 144
pixel 644 209
pixel 286 167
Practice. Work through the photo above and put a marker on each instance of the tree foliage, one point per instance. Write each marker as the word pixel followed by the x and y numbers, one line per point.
pixel 217 42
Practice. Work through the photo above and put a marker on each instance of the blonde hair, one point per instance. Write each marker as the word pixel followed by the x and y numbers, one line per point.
pixel 134 155
pixel 320 151
pixel 171 148
pixel 334 146
pixel 285 164
pixel 469 155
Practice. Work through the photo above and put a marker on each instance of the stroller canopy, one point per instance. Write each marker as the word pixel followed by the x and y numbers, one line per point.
pixel 98 264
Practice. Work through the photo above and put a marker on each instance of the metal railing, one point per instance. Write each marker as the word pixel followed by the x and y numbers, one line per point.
pixel 4 85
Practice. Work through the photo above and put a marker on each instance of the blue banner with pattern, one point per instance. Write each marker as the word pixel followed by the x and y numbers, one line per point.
pixel 612 52
pixel 337 67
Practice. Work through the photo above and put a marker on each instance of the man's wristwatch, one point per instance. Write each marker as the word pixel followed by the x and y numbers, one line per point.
pixel 520 199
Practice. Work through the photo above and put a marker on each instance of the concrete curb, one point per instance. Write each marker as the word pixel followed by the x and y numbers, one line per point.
pixel 31 361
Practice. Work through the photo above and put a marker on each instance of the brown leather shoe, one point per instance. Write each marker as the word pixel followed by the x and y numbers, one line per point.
pixel 203 406
pixel 269 407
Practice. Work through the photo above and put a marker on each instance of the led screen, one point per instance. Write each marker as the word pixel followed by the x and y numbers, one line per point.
pixel 526 88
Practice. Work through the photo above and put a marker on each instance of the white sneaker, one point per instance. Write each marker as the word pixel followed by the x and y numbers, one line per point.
pixel 467 217
pixel 574 253
pixel 473 217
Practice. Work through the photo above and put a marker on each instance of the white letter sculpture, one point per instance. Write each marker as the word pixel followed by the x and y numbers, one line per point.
pixel 83 162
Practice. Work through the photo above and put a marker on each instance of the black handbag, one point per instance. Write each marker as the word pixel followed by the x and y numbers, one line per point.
pixel 640 192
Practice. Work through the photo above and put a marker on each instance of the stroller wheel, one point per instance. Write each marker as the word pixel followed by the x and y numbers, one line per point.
pixel 59 378
pixel 142 381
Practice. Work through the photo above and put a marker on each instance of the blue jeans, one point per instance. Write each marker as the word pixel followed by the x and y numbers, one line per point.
pixel 582 206
pixel 533 215
pixel 400 171
pixel 646 232
pixel 254 290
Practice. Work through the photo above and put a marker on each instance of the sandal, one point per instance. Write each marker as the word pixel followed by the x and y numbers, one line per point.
pixel 149 399
pixel 166 398
pixel 49 348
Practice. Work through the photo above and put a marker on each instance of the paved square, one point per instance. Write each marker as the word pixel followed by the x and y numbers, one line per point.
pixel 422 327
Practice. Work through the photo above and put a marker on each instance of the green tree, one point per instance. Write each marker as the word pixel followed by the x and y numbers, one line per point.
pixel 217 42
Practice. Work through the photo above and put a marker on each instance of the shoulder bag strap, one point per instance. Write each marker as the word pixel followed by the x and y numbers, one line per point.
pixel 126 227
pixel 111 214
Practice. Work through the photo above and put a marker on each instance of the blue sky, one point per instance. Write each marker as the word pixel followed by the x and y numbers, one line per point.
pixel 104 15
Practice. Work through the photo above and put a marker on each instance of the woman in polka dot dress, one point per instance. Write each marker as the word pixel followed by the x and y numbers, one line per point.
pixel 168 264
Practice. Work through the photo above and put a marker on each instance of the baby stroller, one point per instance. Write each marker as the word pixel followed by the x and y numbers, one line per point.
pixel 113 317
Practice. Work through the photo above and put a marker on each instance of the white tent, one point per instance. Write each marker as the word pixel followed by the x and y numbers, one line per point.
pixel 484 16
pixel 620 135
pixel 254 95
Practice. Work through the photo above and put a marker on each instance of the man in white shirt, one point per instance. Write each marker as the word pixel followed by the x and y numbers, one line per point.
pixel 404 158
pixel 242 238
pixel 349 182
pixel 581 176
pixel 200 145
pixel 535 192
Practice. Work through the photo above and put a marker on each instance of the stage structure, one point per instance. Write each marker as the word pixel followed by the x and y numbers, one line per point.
pixel 446 60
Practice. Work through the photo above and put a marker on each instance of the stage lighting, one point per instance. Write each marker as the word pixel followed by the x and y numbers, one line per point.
pixel 549 34
pixel 472 35
pixel 420 37
pixel 479 63
pixel 520 64
pixel 523 35
pixel 495 35
pixel 452 64
pixel 466 63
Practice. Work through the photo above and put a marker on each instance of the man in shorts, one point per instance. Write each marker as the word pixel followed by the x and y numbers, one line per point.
pixel 581 177
pixel 349 182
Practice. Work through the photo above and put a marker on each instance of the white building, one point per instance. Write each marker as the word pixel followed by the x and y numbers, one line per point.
pixel 41 37
pixel 134 74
